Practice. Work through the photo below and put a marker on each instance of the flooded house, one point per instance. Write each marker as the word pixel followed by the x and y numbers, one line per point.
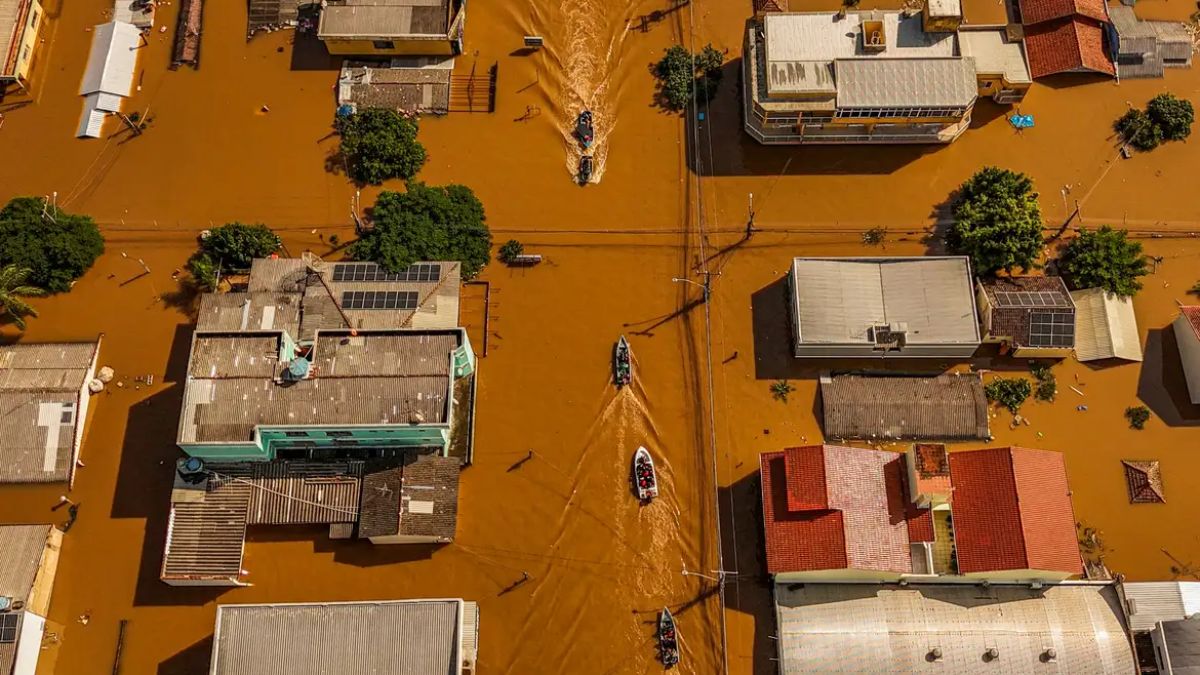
pixel 20 21
pixel 334 394
pixel 877 76
pixel 1187 334
pixel 412 637
pixel 1105 326
pixel 949 407
pixel 1164 618
pixel 1028 316
pixel 1067 36
pixel 28 562
pixel 875 307
pixel 1148 48
pixel 44 389
pixel 394 28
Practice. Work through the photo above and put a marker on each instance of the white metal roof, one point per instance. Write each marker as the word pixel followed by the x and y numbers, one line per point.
pixel 860 628
pixel 1151 602
pixel 112 60
pixel 1105 326
pixel 892 83
pixel 944 8
pixel 838 300
pixel 994 53
pixel 822 36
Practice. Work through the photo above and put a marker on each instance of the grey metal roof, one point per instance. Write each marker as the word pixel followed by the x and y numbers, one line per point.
pixel 21 548
pixel 394 637
pixel 946 407
pixel 892 83
pixel 383 18
pixel 853 628
pixel 1149 602
pixel 1182 639
pixel 40 386
pixel 840 299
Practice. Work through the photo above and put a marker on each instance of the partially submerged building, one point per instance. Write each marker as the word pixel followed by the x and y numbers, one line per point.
pixel 886 306
pixel 386 637
pixel 392 27
pixel 949 407
pixel 1105 326
pixel 20 21
pixel 1164 618
pixel 28 562
pixel 1067 36
pixel 834 513
pixel 1187 335
pixel 1148 48
pixel 44 394
pixel 876 76
pixel 409 85
pixel 108 80
pixel 1028 316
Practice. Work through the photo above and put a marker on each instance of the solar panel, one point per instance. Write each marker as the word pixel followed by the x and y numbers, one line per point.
pixel 373 272
pixel 379 300
pixel 1052 329
pixel 8 627
pixel 1030 299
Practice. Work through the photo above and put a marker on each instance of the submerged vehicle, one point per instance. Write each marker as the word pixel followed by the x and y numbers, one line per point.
pixel 622 363
pixel 668 641
pixel 645 480
pixel 583 128
pixel 585 169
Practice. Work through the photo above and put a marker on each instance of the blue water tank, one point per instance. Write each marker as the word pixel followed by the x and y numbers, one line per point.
pixel 297 369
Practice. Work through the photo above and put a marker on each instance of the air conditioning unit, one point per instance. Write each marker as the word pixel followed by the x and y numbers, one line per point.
pixel 6 603
pixel 890 335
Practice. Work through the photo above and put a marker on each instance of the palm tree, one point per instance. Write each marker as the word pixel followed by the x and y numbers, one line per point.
pixel 12 289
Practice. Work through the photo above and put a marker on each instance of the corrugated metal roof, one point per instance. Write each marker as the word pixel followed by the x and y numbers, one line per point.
pixel 21 548
pixel 409 637
pixel 1149 602
pixel 112 60
pixel 855 628
pixel 384 18
pixel 946 407
pixel 60 366
pixel 895 83
pixel 10 12
pixel 385 355
pixel 841 299
pixel 255 311
pixel 1105 326
pixel 234 356
pixel 429 498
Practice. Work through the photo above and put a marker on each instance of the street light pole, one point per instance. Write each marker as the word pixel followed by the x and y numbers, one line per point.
pixel 706 286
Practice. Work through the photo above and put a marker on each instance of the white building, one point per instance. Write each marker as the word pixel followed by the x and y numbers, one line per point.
pixel 28 561
pixel 1187 333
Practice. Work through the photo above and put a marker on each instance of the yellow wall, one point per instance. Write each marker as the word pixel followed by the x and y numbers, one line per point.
pixel 990 84
pixel 941 24
pixel 28 41
pixel 401 47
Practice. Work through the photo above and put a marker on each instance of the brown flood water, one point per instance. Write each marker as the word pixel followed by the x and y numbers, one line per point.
pixel 600 567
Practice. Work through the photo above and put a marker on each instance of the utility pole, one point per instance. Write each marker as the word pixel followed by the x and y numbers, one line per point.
pixel 750 220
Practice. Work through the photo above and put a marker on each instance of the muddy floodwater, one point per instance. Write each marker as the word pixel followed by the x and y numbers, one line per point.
pixel 599 566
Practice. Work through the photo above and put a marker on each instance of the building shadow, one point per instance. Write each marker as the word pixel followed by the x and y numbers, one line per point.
pixel 354 551
pixel 750 593
pixel 987 111
pixel 1162 385
pixel 1069 80
pixel 195 660
pixel 309 53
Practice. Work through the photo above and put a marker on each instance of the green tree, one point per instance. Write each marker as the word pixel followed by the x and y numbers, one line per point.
pixel 427 223
pixel 1104 258
pixel 379 144
pixel 13 290
pixel 1137 416
pixel 57 247
pixel 1008 392
pixel 683 76
pixel 1137 129
pixel 510 250
pixel 235 246
pixel 1173 115
pixel 997 221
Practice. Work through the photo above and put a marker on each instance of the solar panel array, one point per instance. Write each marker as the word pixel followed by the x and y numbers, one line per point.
pixel 1052 329
pixel 373 272
pixel 1031 299
pixel 8 627
pixel 379 300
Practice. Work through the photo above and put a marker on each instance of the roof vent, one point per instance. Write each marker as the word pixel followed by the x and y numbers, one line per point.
pixel 935 654
pixel 991 654
pixel 1050 655
pixel 889 335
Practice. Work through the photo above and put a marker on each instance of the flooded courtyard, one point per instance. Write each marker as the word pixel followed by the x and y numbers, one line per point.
pixel 599 567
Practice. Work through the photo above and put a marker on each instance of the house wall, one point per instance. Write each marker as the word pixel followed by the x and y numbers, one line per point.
pixel 836 575
pixel 81 411
pixel 29 644
pixel 181 581
pixel 1039 353
pixel 1001 90
pixel 1189 354
pixel 398 46
pixel 38 601
pixel 405 539
pixel 226 452
pixel 1025 575
pixel 30 22
pixel 270 440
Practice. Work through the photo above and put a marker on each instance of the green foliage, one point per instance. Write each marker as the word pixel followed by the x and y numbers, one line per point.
pixel 1173 115
pixel 13 290
pixel 781 389
pixel 379 144
pixel 1137 129
pixel 204 271
pixel 1195 289
pixel 510 250
pixel 1105 258
pixel 1137 416
pixel 997 221
pixel 56 249
pixel 236 245
pixel 1047 383
pixel 427 223
pixel 1008 392
pixel 682 77
pixel 874 236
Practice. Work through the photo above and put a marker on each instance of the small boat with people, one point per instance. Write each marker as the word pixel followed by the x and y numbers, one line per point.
pixel 583 128
pixel 622 363
pixel 585 170
pixel 668 640
pixel 645 479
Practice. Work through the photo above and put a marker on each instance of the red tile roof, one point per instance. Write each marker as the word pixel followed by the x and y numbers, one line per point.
pixel 1037 11
pixel 1192 312
pixel 1066 45
pixel 831 507
pixel 1012 510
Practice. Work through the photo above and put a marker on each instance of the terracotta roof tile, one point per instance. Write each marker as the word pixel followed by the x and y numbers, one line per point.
pixel 1066 45
pixel 1012 510
pixel 1010 320
pixel 1192 312
pixel 1144 479
pixel 1037 11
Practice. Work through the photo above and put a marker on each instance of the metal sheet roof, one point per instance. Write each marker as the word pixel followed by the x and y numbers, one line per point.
pixel 112 60
pixel 823 36
pixel 384 18
pixel 21 548
pixel 1105 326
pixel 946 407
pixel 394 637
pixel 1149 602
pixel 891 83
pixel 840 299
pixel 10 12
pixel 853 628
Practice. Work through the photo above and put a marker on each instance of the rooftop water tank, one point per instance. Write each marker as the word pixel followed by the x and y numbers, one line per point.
pixel 296 370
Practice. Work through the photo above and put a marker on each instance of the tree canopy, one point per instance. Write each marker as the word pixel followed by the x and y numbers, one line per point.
pixel 56 248
pixel 997 221
pixel 1167 117
pixel 427 223
pixel 379 144
pixel 13 291
pixel 682 76
pixel 1104 258
pixel 230 248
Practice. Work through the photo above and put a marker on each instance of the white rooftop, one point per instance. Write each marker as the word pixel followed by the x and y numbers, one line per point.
pixel 896 83
pixel 822 36
pixel 994 53
pixel 944 8
pixel 1105 326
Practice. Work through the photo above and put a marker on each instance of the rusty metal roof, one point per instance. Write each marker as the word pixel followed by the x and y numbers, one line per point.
pixel 417 500
pixel 946 407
